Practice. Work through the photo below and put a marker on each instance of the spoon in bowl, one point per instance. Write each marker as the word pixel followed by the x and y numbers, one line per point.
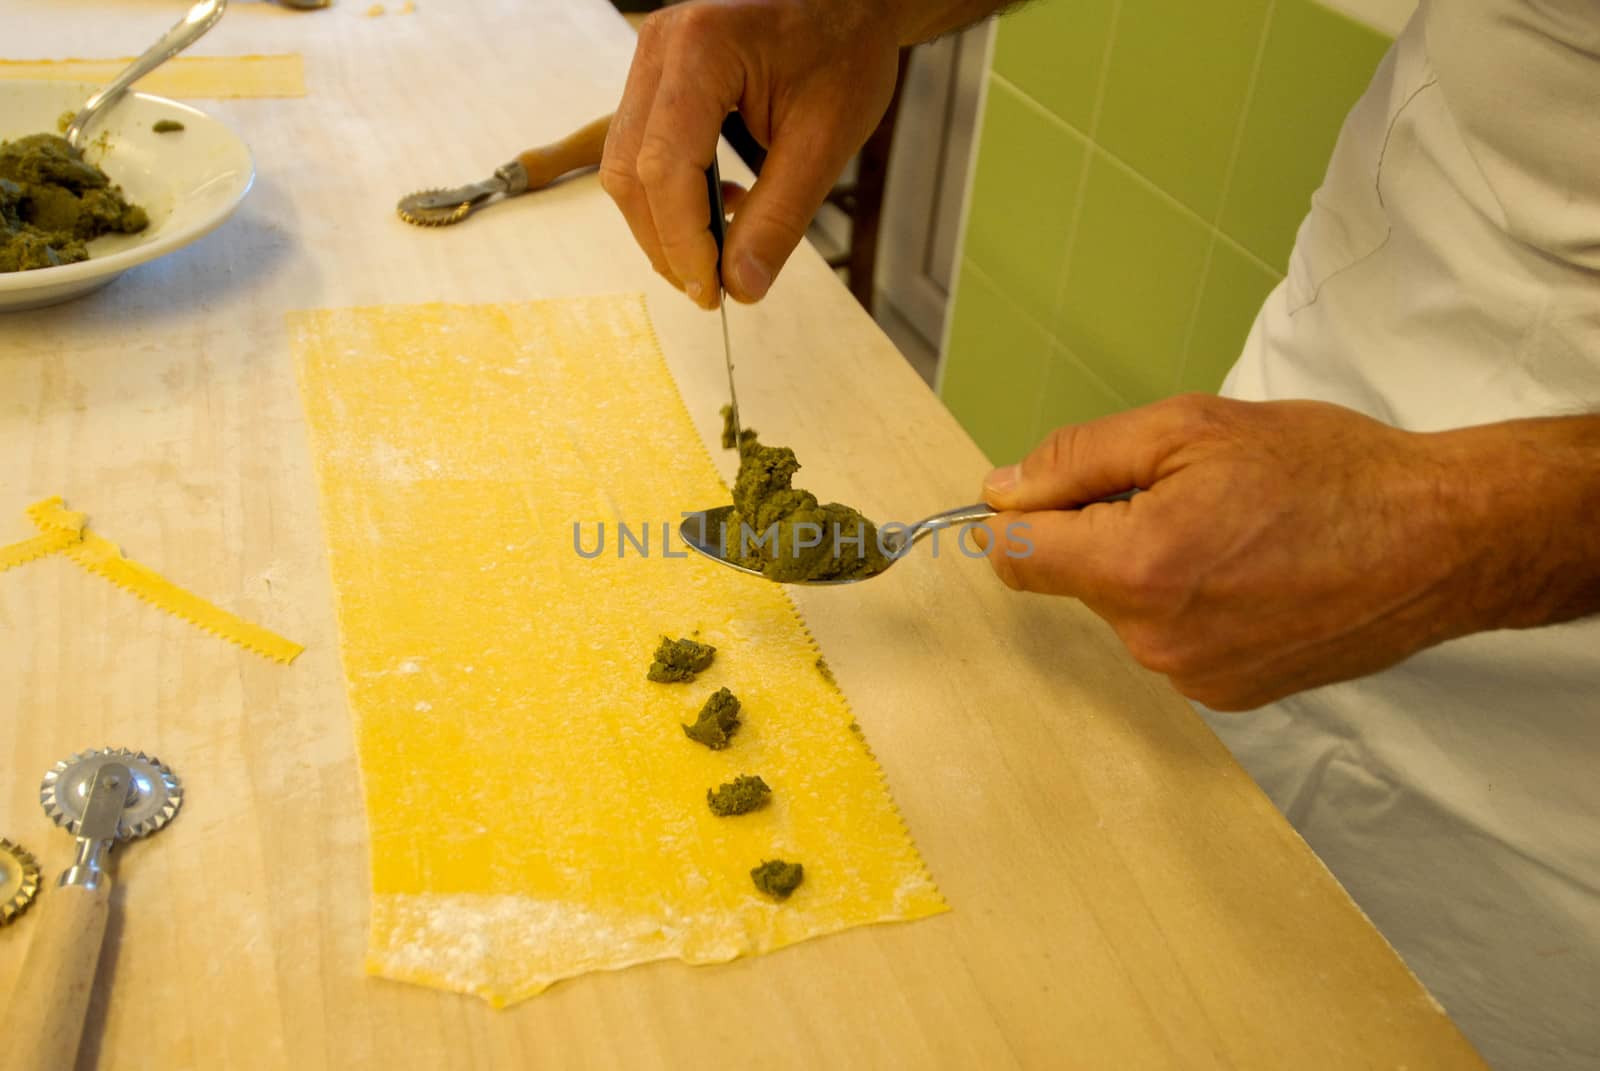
pixel 201 17
pixel 704 532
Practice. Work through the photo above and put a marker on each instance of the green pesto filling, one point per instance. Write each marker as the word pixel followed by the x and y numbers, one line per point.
pixel 746 435
pixel 778 878
pixel 718 720
pixel 786 534
pixel 680 660
pixel 742 795
pixel 53 202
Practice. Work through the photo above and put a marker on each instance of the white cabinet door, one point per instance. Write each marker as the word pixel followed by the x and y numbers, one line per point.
pixel 928 169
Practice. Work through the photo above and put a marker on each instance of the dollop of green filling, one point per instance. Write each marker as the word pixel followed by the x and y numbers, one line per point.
pixel 680 660
pixel 746 436
pixel 778 878
pixel 742 795
pixel 166 126
pixel 718 720
pixel 53 202
pixel 784 533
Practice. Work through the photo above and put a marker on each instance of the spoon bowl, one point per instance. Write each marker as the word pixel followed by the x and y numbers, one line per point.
pixel 706 532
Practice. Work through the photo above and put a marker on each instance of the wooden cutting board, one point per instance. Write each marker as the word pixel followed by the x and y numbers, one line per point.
pixel 1123 896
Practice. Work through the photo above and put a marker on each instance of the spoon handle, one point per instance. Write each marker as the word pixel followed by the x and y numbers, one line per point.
pixel 950 518
pixel 201 17
pixel 982 511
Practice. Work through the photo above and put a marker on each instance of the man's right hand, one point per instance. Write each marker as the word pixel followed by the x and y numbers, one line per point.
pixel 811 79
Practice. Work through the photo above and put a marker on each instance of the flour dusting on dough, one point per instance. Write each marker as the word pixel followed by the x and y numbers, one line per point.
pixel 508 948
pixel 534 810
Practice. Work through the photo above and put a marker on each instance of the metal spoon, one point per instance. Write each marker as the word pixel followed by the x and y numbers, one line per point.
pixel 190 29
pixel 703 532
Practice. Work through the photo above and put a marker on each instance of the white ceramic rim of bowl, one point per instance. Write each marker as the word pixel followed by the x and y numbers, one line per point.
pixel 115 263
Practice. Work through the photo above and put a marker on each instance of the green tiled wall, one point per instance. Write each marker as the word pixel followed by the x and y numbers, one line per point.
pixel 1142 168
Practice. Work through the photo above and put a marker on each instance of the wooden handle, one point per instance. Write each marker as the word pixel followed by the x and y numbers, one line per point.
pixel 44 1022
pixel 579 149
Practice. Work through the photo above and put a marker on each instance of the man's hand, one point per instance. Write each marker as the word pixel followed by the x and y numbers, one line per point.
pixel 1282 545
pixel 811 79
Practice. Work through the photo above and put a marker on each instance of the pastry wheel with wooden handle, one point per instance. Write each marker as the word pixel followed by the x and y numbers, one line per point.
pixel 531 170
pixel 101 797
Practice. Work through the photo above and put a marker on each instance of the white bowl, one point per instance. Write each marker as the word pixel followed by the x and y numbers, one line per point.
pixel 187 181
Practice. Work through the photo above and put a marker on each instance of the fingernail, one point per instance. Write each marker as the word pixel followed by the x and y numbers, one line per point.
pixel 1002 480
pixel 754 277
pixel 694 290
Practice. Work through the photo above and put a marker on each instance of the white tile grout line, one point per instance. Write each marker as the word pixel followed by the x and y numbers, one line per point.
pixel 1182 365
pixel 966 209
pixel 1006 86
pixel 1224 238
pixel 1092 148
pixel 1131 172
pixel 1244 112
pixel 1095 108
pixel 1384 16
pixel 967 263
pixel 988 280
pixel 1071 241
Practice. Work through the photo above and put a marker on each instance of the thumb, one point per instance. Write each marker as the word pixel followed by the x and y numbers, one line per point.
pixel 795 179
pixel 1079 463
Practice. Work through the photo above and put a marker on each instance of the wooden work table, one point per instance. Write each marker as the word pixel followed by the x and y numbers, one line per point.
pixel 1123 896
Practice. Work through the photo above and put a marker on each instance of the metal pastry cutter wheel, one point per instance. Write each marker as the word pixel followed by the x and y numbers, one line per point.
pixel 533 169
pixel 19 880
pixel 101 797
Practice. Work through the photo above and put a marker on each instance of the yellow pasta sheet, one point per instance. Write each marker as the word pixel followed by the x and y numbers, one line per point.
pixel 535 810
pixel 185 77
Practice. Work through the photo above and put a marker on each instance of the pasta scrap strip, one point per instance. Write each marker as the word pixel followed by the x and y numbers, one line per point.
pixel 67 532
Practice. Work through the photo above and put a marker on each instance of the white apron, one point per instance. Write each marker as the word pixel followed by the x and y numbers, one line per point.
pixel 1449 274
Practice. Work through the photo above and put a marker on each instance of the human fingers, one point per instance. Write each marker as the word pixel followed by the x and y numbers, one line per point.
pixel 618 163
pixel 1120 561
pixel 693 97
pixel 1062 552
pixel 811 132
pixel 795 179
pixel 1079 463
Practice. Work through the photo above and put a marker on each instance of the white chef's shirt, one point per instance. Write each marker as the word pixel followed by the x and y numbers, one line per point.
pixel 1449 274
